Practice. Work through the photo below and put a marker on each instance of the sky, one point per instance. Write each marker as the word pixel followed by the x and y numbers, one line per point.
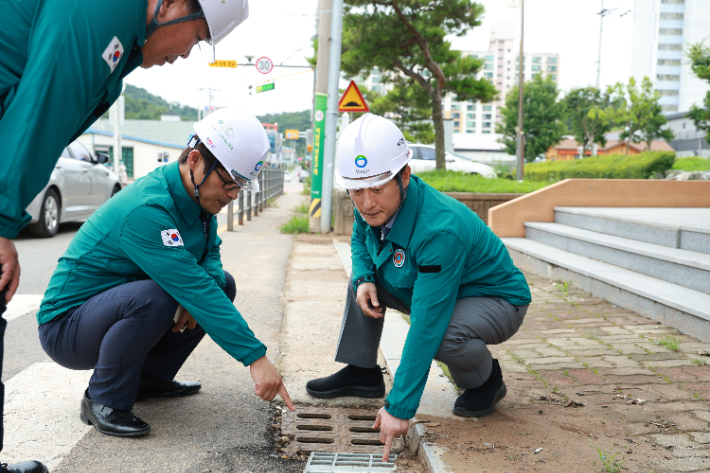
pixel 281 30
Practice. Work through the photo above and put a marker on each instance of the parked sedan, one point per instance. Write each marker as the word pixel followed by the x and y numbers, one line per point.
pixel 79 184
pixel 424 159
pixel 302 175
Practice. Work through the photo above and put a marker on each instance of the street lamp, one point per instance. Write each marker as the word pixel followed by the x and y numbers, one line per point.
pixel 520 147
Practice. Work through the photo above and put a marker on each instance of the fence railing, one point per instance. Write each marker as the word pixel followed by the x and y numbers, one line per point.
pixel 271 186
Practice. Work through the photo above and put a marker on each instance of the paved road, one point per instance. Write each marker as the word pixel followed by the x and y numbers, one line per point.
pixel 222 428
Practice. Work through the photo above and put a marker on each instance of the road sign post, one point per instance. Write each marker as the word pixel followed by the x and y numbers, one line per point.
pixel 352 100
pixel 291 134
pixel 317 161
pixel 264 65
pixel 232 64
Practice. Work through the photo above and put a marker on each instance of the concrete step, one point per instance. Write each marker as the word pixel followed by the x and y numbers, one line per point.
pixel 686 309
pixel 682 267
pixel 685 228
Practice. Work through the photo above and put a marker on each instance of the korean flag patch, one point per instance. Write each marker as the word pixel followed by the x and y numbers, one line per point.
pixel 113 53
pixel 171 238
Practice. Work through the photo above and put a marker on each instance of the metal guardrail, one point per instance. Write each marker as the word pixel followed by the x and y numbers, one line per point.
pixel 271 186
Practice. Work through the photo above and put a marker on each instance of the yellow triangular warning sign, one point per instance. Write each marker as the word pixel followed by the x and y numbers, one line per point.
pixel 352 100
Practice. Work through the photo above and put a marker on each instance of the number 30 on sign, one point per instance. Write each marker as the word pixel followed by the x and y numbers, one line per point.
pixel 264 65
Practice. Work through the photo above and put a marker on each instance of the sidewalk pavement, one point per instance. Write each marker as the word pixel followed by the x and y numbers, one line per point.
pixel 588 383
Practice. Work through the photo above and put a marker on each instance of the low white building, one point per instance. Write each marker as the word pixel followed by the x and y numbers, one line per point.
pixel 482 148
pixel 139 155
pixel 688 140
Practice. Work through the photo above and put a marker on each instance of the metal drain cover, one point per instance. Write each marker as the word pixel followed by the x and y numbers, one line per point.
pixel 326 462
pixel 314 429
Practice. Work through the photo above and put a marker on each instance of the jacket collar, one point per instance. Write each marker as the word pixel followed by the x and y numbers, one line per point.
pixel 403 227
pixel 187 207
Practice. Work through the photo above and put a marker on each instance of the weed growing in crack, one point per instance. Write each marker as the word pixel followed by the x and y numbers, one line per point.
pixel 609 462
pixel 699 362
pixel 672 343
pixel 563 286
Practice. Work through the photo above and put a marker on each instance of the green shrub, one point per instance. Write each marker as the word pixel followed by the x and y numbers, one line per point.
pixel 692 164
pixel 297 224
pixel 452 181
pixel 615 166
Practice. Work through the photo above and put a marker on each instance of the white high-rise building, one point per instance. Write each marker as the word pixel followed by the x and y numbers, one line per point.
pixel 662 30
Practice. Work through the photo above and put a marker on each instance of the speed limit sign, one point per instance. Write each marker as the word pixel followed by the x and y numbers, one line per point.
pixel 264 65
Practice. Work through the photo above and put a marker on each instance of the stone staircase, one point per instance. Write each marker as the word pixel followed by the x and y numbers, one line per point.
pixel 654 261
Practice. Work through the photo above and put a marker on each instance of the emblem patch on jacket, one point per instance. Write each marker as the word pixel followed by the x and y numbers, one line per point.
pixel 113 53
pixel 398 258
pixel 171 238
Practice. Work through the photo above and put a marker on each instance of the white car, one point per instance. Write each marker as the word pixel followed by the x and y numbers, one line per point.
pixel 79 184
pixel 424 159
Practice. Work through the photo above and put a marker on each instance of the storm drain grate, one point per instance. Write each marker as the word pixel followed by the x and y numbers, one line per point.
pixel 313 429
pixel 324 462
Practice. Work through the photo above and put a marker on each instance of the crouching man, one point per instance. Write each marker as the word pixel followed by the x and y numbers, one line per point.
pixel 147 256
pixel 423 253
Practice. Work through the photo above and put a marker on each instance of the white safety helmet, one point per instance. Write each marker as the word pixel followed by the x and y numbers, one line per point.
pixel 222 16
pixel 371 151
pixel 238 141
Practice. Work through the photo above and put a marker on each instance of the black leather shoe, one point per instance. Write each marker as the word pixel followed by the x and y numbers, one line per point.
pixel 111 421
pixel 481 401
pixel 24 467
pixel 350 381
pixel 150 386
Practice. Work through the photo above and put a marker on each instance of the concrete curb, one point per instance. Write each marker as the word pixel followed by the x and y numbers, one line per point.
pixel 439 395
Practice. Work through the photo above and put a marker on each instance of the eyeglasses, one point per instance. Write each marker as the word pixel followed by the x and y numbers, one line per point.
pixel 228 185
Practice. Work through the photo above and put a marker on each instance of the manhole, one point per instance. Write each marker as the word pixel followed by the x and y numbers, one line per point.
pixel 313 429
pixel 324 462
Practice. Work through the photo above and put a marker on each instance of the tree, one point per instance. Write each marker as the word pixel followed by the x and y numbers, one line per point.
pixel 409 107
pixel 638 112
pixel 543 118
pixel 699 56
pixel 587 115
pixel 408 37
pixel 653 131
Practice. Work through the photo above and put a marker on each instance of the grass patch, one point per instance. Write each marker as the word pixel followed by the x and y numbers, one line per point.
pixel 306 186
pixel 692 164
pixel 301 209
pixel 699 362
pixel 563 286
pixel 610 463
pixel 669 342
pixel 447 373
pixel 614 166
pixel 451 181
pixel 272 202
pixel 297 224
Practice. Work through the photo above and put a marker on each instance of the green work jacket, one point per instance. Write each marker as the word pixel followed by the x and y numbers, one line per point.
pixel 61 68
pixel 438 251
pixel 152 230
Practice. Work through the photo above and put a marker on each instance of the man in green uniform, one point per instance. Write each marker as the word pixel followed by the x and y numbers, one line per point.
pixel 148 252
pixel 61 67
pixel 423 253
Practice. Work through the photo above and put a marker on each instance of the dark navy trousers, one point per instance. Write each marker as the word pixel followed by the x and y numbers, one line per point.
pixel 121 333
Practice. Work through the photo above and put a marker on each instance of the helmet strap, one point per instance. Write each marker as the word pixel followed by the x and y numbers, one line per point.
pixel 197 186
pixel 154 24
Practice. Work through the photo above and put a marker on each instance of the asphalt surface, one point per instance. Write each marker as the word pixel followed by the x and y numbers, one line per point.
pixel 224 427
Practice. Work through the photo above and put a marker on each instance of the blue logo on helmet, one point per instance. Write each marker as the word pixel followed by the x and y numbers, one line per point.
pixel 361 161
pixel 258 166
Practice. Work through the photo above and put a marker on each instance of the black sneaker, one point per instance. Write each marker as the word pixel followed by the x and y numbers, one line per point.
pixel 350 381
pixel 24 467
pixel 481 401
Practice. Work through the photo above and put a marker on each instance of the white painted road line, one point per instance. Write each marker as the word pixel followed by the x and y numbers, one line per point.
pixel 42 414
pixel 22 304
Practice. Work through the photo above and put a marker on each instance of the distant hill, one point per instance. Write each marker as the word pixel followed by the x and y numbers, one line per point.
pixel 142 105
pixel 288 120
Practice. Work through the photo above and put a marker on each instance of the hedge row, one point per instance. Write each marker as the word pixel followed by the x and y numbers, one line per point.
pixel 614 166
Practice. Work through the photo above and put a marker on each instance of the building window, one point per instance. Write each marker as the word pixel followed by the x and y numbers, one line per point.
pixel 508 63
pixel 489 75
pixel 486 124
pixel 668 93
pixel 500 49
pixel 671 77
pixel 535 68
pixel 669 108
pixel 457 115
pixel 551 68
pixel 670 47
pixel 487 116
pixel 471 116
pixel 552 60
pixel 507 78
pixel 455 106
pixel 554 76
pixel 670 31
pixel 517 67
pixel 671 16
pixel 457 124
pixel 488 66
pixel 536 60
pixel 470 107
pixel 500 75
pixel 489 58
pixel 471 124
pixel 487 108
pixel 470 131
pixel 669 62
pixel 486 132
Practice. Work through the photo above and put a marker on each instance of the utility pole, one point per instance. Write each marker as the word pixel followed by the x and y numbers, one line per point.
pixel 520 151
pixel 331 120
pixel 604 12
pixel 321 107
